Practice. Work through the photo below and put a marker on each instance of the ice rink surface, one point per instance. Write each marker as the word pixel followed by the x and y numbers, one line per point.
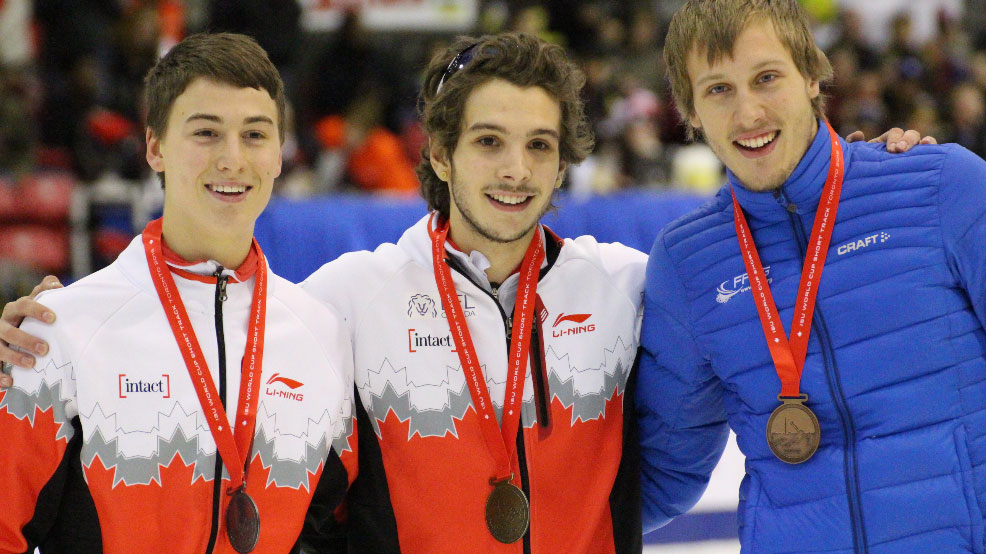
pixel 704 547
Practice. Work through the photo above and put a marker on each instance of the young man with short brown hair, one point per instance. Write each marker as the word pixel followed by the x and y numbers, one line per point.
pixel 189 399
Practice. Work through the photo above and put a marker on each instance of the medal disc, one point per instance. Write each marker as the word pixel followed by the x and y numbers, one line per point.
pixel 242 522
pixel 793 432
pixel 507 513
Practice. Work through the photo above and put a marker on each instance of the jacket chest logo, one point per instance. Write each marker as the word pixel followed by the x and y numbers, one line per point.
pixel 424 342
pixel 571 324
pixel 131 387
pixel 279 386
pixel 424 306
pixel 861 243
pixel 737 285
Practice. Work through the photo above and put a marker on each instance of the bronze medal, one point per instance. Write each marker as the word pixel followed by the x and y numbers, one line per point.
pixel 507 513
pixel 793 431
pixel 242 522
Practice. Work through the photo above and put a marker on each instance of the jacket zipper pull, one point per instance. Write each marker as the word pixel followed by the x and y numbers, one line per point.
pixel 495 292
pixel 221 283
pixel 791 207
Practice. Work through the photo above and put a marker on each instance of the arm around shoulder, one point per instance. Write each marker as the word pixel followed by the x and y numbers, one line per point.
pixel 681 419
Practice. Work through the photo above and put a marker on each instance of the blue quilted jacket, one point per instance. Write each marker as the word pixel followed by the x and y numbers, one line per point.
pixel 896 365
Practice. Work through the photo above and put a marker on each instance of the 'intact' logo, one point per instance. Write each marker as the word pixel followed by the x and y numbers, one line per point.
pixel 416 340
pixel 852 246
pixel 741 283
pixel 130 387
pixel 573 318
pixel 278 392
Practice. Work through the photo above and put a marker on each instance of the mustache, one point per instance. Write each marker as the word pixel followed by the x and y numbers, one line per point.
pixel 516 189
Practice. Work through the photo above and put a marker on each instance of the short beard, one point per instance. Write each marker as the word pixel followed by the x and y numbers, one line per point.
pixel 482 230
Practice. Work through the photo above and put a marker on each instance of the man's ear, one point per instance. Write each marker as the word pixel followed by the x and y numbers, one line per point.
pixel 814 89
pixel 562 166
pixel 695 121
pixel 440 163
pixel 155 158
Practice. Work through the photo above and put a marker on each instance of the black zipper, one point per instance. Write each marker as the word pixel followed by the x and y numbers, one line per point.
pixel 217 488
pixel 538 375
pixel 494 294
pixel 838 396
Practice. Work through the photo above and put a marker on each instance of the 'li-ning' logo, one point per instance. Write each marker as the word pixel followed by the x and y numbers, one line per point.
pixel 578 329
pixel 139 387
pixel 277 391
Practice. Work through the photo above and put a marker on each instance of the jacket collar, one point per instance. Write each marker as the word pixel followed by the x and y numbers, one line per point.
pixel 803 188
pixel 416 241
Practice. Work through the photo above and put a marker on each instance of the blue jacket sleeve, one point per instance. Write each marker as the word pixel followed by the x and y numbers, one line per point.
pixel 962 202
pixel 679 404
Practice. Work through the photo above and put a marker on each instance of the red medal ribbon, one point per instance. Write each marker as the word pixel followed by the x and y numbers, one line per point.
pixel 502 444
pixel 233 450
pixel 789 357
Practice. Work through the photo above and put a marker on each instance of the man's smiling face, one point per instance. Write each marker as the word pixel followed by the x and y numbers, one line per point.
pixel 220 154
pixel 506 164
pixel 754 107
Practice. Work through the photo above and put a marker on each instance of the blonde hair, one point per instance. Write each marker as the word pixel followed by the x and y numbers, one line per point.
pixel 713 25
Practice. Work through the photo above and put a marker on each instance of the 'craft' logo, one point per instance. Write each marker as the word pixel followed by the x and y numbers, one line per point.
pixel 276 391
pixel 139 387
pixel 578 329
pixel 416 341
pixel 421 304
pixel 741 283
pixel 852 246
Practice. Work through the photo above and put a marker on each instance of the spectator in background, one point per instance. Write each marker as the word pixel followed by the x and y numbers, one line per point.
pixel 977 68
pixel 357 149
pixel 924 118
pixel 850 37
pixel 16 46
pixel 353 116
pixel 945 59
pixel 642 56
pixel 76 44
pixel 358 68
pixel 866 109
pixel 968 118
pixel 274 24
pixel 17 129
pixel 974 22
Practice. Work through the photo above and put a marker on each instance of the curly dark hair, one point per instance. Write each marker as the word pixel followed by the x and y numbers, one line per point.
pixel 520 59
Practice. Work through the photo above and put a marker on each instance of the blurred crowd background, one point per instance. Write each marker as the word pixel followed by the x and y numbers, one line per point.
pixel 74 186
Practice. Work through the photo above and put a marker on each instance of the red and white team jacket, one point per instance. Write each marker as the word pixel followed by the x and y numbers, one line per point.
pixel 424 467
pixel 105 445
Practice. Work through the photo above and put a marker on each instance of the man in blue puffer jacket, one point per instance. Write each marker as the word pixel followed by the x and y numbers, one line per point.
pixel 878 444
